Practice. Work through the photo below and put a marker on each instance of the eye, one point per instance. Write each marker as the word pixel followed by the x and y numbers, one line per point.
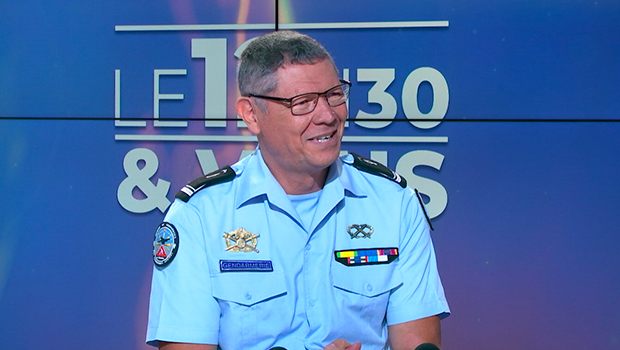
pixel 304 100
pixel 337 92
pixel 336 97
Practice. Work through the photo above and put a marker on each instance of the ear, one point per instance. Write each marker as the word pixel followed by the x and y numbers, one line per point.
pixel 247 111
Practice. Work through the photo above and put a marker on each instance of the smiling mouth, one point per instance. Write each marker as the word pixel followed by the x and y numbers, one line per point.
pixel 325 138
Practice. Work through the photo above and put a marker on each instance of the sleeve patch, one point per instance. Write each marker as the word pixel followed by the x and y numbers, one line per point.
pixel 165 244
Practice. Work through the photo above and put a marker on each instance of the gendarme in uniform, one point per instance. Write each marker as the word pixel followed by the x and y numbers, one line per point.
pixel 242 264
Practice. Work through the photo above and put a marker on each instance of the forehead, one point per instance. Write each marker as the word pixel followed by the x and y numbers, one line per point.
pixel 295 79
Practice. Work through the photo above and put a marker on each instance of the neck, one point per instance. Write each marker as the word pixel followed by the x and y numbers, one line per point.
pixel 299 183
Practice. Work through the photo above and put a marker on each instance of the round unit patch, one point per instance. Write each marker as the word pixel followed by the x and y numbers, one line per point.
pixel 166 244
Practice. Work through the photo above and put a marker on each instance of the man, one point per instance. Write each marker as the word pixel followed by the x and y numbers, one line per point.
pixel 293 246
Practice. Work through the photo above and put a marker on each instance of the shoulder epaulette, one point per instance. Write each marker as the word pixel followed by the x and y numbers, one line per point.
pixel 372 167
pixel 213 178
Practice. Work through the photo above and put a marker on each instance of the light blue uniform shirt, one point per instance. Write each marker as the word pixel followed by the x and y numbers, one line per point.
pixel 309 299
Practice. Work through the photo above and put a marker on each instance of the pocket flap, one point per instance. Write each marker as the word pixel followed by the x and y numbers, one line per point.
pixel 247 288
pixel 369 280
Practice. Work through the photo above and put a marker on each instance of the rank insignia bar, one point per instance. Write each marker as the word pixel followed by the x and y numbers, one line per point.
pixel 371 256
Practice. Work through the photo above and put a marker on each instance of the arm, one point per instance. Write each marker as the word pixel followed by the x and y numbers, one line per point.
pixel 184 346
pixel 408 335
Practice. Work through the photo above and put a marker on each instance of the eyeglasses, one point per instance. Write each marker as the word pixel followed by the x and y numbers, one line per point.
pixel 306 103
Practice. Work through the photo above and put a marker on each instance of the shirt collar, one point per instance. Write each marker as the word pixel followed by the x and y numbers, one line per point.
pixel 262 182
pixel 342 170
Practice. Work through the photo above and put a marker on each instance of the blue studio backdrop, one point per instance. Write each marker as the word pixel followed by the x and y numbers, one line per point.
pixel 504 114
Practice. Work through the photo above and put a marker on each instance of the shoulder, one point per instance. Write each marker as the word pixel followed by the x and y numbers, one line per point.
pixel 219 176
pixel 378 174
pixel 215 180
pixel 374 168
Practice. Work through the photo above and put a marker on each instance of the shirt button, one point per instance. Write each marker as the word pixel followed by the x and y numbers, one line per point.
pixel 369 287
pixel 248 296
pixel 308 247
pixel 311 303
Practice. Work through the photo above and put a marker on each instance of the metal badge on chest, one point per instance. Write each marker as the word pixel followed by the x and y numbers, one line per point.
pixel 360 231
pixel 241 240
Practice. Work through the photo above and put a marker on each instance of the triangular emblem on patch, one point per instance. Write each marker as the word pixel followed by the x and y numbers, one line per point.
pixel 161 253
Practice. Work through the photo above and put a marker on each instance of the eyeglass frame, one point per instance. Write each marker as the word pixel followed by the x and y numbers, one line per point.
pixel 289 101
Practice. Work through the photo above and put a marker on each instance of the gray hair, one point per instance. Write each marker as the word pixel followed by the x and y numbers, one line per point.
pixel 265 55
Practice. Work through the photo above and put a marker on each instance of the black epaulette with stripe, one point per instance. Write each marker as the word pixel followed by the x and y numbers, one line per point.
pixel 372 167
pixel 219 176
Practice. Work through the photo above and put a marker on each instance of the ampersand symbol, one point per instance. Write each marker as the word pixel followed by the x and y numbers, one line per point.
pixel 140 178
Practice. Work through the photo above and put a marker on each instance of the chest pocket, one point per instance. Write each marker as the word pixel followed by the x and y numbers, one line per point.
pixel 364 291
pixel 369 281
pixel 246 300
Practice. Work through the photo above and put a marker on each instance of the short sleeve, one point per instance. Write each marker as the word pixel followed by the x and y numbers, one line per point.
pixel 421 294
pixel 182 308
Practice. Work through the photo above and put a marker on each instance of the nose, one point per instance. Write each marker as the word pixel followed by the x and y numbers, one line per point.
pixel 326 114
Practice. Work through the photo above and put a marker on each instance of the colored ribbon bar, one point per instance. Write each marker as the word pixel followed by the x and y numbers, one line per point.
pixel 371 256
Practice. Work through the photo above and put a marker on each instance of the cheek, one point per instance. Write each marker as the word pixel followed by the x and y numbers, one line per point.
pixel 342 112
pixel 269 125
pixel 282 132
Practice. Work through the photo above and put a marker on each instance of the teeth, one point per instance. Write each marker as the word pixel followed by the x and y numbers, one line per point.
pixel 324 138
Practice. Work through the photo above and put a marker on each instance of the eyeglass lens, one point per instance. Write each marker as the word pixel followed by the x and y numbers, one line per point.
pixel 306 103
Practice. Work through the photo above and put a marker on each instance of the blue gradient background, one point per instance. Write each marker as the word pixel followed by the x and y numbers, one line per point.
pixel 528 245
